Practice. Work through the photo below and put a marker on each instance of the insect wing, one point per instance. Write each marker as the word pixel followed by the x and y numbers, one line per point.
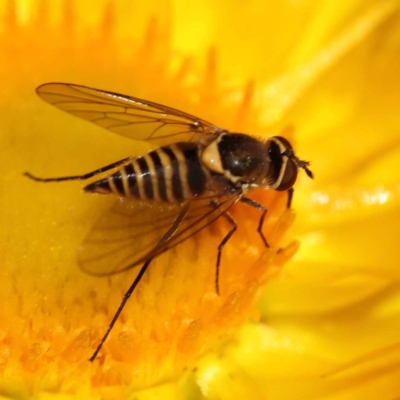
pixel 128 116
pixel 134 231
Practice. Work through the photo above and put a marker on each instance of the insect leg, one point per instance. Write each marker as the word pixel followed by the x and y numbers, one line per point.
pixel 290 197
pixel 129 292
pixel 252 203
pixel 126 297
pixel 80 177
pixel 233 223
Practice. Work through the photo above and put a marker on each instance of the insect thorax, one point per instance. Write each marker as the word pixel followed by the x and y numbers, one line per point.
pixel 240 158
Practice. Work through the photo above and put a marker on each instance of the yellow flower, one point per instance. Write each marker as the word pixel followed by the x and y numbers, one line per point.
pixel 328 320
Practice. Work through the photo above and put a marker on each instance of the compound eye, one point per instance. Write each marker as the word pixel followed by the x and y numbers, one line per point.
pixel 284 142
pixel 289 175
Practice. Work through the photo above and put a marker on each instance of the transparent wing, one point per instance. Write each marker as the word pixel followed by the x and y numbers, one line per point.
pixel 128 116
pixel 133 231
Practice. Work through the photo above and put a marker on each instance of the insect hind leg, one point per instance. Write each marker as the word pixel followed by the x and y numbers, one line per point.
pixel 126 297
pixel 164 239
pixel 79 177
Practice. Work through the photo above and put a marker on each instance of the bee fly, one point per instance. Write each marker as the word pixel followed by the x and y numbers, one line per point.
pixel 194 176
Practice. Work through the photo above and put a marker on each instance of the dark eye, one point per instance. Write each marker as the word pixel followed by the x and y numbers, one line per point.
pixel 276 161
pixel 289 176
pixel 286 144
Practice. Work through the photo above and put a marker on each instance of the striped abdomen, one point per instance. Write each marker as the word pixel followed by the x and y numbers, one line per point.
pixel 171 173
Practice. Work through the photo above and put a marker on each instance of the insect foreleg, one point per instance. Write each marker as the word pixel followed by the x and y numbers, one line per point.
pixel 79 177
pixel 252 203
pixel 290 197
